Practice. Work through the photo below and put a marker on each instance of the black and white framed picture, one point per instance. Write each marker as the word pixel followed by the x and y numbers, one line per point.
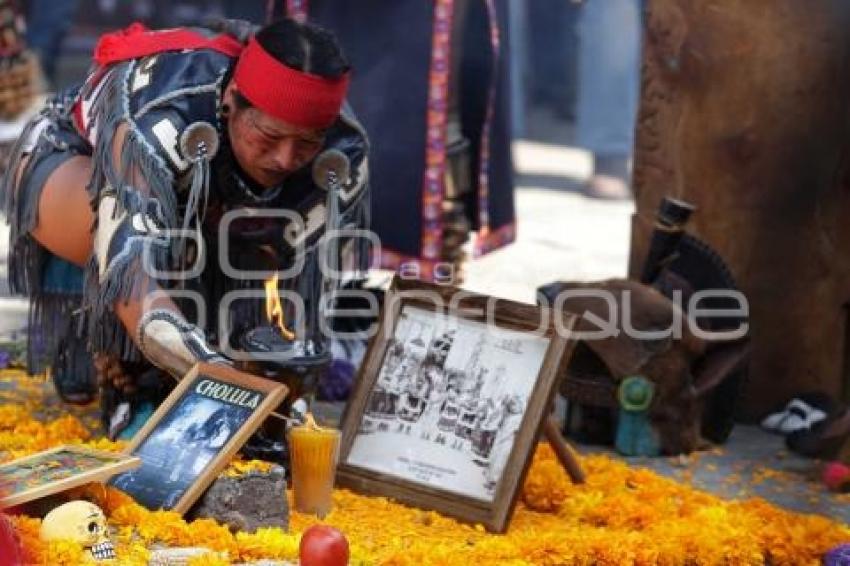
pixel 194 433
pixel 450 400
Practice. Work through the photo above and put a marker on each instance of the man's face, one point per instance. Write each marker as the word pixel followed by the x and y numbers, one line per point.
pixel 268 149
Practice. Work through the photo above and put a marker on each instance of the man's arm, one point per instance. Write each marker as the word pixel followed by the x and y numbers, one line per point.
pixel 149 315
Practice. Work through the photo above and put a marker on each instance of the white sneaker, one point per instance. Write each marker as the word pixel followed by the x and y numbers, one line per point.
pixel 797 415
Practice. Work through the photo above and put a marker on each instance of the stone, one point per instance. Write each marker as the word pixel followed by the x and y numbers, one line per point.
pixel 247 502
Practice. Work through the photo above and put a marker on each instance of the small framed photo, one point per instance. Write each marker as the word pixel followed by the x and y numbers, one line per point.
pixel 56 470
pixel 451 399
pixel 194 433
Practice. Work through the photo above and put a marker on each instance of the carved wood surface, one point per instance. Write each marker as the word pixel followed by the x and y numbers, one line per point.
pixel 744 113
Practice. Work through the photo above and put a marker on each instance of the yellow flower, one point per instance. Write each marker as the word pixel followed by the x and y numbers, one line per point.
pixel 267 543
pixel 620 516
pixel 239 467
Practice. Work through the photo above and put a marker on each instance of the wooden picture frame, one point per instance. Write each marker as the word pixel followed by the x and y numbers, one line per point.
pixel 392 446
pixel 193 434
pixel 56 470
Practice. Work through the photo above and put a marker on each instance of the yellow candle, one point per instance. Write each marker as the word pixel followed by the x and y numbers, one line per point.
pixel 313 454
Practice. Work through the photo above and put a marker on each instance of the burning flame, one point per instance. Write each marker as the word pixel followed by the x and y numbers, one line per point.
pixel 274 310
pixel 311 423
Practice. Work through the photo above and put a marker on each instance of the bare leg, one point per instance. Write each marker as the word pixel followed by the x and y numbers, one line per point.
pixel 65 217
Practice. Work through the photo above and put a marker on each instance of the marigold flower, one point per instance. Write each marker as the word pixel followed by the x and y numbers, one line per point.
pixel 621 515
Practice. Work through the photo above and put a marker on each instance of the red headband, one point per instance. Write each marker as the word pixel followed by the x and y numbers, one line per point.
pixel 298 98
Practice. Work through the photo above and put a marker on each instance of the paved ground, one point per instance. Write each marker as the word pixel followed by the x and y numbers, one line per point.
pixel 563 235
pixel 755 464
pixel 560 233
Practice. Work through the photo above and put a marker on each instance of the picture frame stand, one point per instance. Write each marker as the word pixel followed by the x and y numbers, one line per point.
pixel 563 451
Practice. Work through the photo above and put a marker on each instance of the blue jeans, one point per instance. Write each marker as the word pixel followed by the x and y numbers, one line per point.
pixel 609 76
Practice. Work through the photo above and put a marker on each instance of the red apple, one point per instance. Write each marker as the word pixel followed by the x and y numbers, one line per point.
pixel 836 476
pixel 322 545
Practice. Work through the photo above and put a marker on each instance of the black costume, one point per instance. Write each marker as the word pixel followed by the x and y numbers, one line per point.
pixel 177 142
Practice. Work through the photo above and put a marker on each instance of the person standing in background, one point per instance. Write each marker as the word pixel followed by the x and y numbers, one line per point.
pixel 48 23
pixel 440 162
pixel 608 91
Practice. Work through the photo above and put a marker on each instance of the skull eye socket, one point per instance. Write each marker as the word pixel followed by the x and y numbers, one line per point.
pixel 93 527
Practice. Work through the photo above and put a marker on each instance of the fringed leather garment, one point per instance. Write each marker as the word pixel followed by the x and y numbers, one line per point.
pixel 177 142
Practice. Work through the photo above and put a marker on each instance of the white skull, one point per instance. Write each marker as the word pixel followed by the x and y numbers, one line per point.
pixel 82 522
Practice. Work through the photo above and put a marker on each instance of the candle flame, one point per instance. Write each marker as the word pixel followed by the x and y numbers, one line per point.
pixel 311 423
pixel 274 310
